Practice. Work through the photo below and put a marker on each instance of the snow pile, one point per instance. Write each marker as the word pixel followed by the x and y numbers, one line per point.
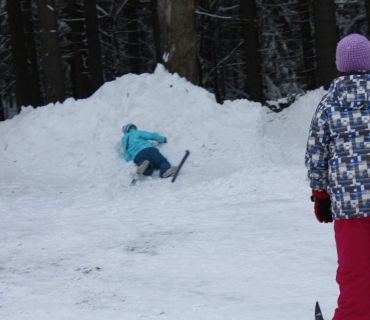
pixel 82 138
pixel 234 235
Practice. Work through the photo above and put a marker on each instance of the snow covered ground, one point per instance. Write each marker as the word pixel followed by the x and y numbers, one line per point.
pixel 234 238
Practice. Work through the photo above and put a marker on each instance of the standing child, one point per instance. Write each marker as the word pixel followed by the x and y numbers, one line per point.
pixel 338 163
pixel 143 153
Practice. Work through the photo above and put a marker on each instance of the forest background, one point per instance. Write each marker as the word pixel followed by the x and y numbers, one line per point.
pixel 268 51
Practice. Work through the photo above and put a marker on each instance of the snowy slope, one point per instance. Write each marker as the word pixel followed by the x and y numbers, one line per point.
pixel 233 238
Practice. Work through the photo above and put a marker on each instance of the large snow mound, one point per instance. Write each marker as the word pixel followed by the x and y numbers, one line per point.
pixel 81 139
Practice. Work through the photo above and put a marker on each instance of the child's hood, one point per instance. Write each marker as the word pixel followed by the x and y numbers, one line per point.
pixel 352 91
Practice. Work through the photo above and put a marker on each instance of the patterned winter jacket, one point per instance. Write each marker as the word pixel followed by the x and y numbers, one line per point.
pixel 338 146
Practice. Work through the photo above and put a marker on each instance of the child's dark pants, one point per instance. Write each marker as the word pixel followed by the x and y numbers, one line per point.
pixel 156 160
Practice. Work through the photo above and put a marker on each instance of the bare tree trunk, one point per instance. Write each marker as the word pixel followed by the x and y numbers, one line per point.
pixel 133 36
pixel 2 113
pixel 92 32
pixel 54 79
pixel 19 55
pixel 211 43
pixel 81 81
pixel 326 39
pixel 178 37
pixel 220 51
pixel 33 67
pixel 254 86
pixel 307 41
pixel 156 31
pixel 367 6
pixel 208 52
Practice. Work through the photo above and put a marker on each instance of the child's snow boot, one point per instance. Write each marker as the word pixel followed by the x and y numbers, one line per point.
pixel 140 169
pixel 170 172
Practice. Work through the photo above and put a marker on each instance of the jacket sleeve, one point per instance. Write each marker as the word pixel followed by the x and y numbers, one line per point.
pixel 317 151
pixel 124 141
pixel 151 136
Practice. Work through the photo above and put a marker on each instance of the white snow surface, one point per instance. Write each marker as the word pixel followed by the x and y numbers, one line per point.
pixel 234 238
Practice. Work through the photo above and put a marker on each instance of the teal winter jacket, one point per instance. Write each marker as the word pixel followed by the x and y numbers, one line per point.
pixel 134 141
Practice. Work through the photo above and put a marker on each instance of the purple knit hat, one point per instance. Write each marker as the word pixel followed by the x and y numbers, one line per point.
pixel 353 53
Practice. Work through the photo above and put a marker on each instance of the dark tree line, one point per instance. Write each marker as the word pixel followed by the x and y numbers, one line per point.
pixel 260 50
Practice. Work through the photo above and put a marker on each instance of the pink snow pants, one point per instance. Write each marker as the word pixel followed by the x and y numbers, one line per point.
pixel 353 275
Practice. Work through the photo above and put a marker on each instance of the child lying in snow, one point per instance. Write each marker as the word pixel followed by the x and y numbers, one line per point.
pixel 143 153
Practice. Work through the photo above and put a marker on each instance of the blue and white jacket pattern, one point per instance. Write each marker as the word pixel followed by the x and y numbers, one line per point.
pixel 338 146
